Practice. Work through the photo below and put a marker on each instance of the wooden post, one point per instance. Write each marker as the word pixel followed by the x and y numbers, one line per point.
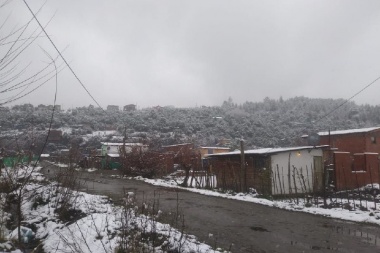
pixel 243 176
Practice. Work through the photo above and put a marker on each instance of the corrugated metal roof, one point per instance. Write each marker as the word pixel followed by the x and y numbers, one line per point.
pixel 264 151
pixel 349 131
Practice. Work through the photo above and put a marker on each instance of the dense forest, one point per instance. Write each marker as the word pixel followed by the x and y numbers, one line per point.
pixel 270 123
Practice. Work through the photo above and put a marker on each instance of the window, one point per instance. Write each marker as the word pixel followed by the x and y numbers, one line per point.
pixel 359 163
pixel 373 139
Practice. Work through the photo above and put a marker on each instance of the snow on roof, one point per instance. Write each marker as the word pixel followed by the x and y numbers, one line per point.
pixel 121 144
pixel 349 131
pixel 175 145
pixel 217 148
pixel 113 155
pixel 264 151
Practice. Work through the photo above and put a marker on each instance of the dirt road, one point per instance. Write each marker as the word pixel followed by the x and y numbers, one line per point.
pixel 248 227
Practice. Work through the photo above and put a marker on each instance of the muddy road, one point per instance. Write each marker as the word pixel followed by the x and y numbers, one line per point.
pixel 243 226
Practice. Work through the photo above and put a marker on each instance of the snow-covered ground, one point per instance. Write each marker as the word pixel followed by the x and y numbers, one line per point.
pixel 10 133
pixel 66 130
pixel 102 135
pixel 92 224
pixel 97 225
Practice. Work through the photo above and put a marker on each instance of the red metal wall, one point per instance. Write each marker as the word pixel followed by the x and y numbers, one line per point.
pixel 351 173
pixel 353 143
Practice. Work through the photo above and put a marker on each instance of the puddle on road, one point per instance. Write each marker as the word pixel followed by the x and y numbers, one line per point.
pixel 313 247
pixel 364 236
pixel 259 229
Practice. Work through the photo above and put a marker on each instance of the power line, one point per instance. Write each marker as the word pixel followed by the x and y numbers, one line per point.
pixel 52 113
pixel 67 64
pixel 349 99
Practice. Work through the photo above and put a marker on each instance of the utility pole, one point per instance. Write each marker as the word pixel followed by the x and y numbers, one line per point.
pixel 325 175
pixel 243 176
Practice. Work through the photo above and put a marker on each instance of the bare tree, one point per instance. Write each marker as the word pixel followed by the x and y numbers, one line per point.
pixel 17 80
pixel 138 162
pixel 189 159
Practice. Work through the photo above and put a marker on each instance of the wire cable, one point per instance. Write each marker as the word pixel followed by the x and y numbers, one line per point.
pixel 52 113
pixel 349 99
pixel 67 64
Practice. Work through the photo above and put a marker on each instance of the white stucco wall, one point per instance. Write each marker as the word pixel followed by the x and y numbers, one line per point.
pixel 303 174
pixel 113 148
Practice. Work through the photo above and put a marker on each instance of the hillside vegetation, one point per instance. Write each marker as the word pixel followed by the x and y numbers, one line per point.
pixel 268 123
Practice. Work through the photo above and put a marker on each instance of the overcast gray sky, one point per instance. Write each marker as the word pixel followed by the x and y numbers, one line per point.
pixel 188 53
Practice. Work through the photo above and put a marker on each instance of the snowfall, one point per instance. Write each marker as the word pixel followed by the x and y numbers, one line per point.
pixel 99 228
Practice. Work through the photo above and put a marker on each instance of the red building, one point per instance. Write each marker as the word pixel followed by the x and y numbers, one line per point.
pixel 353 157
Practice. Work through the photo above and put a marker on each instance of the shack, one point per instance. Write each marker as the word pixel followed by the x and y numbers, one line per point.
pixel 271 171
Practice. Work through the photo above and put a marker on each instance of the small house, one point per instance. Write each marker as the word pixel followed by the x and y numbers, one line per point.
pixel 113 149
pixel 110 152
pixel 113 108
pixel 273 171
pixel 129 108
pixel 206 151
pixel 353 140
pixel 353 158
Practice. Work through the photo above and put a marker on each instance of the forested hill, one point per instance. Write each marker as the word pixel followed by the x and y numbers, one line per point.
pixel 262 124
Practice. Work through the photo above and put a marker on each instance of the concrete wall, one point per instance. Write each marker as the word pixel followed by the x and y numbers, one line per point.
pixel 300 177
pixel 114 149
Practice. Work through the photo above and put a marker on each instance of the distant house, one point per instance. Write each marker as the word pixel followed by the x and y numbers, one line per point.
pixel 24 107
pixel 224 142
pixel 110 153
pixel 41 107
pixel 178 147
pixel 44 157
pixel 353 160
pixel 55 135
pixel 129 108
pixel 206 151
pixel 113 108
pixel 274 171
pixel 113 149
